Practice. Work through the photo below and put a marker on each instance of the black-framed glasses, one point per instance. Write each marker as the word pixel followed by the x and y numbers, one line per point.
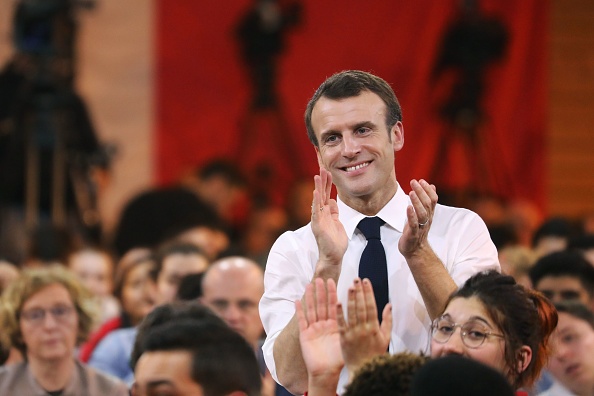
pixel 36 316
pixel 473 333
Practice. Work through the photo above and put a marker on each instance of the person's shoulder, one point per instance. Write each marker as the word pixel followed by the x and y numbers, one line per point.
pixel 11 375
pixel 124 334
pixel 448 213
pixel 116 338
pixel 100 383
pixel 453 210
pixel 300 235
pixel 12 369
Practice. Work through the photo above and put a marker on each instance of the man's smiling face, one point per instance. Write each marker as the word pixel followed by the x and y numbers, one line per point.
pixel 356 147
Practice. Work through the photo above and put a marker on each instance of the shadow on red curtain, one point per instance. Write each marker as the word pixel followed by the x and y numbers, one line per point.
pixel 203 92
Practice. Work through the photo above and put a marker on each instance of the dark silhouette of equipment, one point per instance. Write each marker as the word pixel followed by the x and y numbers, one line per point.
pixel 48 145
pixel 470 45
pixel 261 34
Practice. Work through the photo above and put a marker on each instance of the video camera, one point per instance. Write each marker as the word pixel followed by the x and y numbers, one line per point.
pixel 46 27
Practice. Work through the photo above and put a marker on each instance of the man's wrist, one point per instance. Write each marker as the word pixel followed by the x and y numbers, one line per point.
pixel 328 269
pixel 421 256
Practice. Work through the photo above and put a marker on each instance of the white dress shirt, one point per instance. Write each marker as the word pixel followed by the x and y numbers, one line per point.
pixel 458 237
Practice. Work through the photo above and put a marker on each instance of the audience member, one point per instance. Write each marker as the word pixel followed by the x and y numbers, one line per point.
pixel 190 287
pixel 457 375
pixel 552 236
pixel 585 244
pixel 45 314
pixel 299 203
pixel 524 217
pixel 265 224
pixel 218 183
pixel 170 313
pixel 232 287
pixel 173 262
pixel 517 261
pixel 354 122
pixel 193 357
pixel 490 208
pixel 572 361
pixel 8 274
pixel 135 290
pixel 213 240
pixel 158 215
pixel 94 267
pixel 387 375
pixel 502 324
pixel 564 276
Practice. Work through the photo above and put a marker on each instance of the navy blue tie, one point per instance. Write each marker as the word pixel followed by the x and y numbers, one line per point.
pixel 373 263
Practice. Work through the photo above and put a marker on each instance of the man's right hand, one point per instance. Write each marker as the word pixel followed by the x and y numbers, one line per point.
pixel 328 230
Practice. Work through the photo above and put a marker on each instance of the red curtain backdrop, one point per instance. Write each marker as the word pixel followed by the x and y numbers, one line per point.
pixel 203 91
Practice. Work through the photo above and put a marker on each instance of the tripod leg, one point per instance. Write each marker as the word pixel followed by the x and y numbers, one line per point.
pixel 59 175
pixel 31 177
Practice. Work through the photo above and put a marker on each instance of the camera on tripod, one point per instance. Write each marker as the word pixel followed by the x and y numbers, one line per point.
pixel 48 145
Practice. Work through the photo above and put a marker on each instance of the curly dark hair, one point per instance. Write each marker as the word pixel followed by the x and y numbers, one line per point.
pixel 386 375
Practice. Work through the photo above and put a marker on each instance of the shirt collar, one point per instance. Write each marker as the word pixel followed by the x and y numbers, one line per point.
pixel 393 213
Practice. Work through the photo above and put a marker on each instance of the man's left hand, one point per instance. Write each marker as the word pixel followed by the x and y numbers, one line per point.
pixel 420 215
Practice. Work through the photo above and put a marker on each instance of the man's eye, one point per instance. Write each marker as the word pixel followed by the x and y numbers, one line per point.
pixel 246 305
pixel 570 295
pixel 219 304
pixel 331 139
pixel 363 130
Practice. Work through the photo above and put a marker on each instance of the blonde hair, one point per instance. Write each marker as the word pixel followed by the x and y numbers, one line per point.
pixel 31 282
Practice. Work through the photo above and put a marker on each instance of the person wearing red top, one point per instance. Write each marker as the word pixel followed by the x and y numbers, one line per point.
pixel 134 289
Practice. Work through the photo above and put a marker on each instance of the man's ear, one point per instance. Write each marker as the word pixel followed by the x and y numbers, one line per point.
pixel 397 136
pixel 524 357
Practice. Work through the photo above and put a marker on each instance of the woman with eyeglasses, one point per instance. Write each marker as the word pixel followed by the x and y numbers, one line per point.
pixel 45 314
pixel 498 322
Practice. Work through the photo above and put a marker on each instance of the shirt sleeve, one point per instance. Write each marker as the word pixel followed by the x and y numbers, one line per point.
pixel 475 251
pixel 290 267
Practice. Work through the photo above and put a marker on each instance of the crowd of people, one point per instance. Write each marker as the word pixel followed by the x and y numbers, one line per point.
pixel 373 291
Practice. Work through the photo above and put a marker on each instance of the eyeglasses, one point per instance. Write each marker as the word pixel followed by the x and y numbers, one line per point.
pixel 473 333
pixel 60 313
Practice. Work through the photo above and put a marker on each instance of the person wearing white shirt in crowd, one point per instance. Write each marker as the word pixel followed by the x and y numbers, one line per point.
pixel 355 124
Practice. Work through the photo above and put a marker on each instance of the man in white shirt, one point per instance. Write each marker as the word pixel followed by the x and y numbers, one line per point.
pixel 354 122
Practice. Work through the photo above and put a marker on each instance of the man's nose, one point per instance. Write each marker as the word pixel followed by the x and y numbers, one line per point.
pixel 350 146
pixel 232 313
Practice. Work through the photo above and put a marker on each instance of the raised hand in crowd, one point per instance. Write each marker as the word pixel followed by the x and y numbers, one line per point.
pixel 362 336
